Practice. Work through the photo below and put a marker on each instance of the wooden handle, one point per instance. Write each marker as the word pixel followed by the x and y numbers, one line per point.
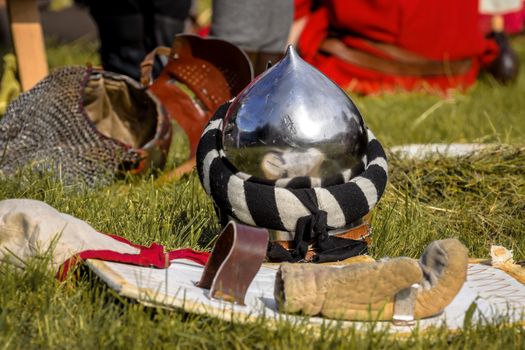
pixel 28 41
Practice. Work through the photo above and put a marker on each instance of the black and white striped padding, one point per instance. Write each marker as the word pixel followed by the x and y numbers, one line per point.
pixel 278 205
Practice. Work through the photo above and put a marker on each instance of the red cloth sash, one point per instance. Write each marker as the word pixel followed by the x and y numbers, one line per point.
pixel 152 256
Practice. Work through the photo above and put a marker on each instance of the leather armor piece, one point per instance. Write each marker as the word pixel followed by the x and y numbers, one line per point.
pixel 201 74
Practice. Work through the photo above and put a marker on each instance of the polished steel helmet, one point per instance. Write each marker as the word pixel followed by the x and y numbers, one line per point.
pixel 293 121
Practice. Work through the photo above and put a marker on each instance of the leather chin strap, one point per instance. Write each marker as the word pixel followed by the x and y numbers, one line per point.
pixel 283 246
pixel 361 231
pixel 234 262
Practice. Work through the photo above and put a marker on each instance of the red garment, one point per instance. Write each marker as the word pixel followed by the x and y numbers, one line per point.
pixel 435 29
pixel 152 256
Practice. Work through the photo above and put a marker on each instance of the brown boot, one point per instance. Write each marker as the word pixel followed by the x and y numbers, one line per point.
pixel 506 67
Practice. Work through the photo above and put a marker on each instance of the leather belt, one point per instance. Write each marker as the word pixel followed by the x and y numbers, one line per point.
pixel 402 62
pixel 234 262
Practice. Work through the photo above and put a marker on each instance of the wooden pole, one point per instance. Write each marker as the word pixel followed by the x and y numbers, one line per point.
pixel 28 41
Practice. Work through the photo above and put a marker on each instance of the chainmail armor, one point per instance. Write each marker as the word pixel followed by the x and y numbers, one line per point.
pixel 47 129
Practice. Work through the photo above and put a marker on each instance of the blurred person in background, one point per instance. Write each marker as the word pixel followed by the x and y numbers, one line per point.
pixel 259 27
pixel 129 29
pixel 369 46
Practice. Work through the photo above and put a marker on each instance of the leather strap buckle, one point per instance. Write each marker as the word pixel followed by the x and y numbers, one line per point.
pixel 404 303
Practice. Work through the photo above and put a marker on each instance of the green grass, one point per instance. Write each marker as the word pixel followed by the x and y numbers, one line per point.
pixel 488 112
pixel 479 199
